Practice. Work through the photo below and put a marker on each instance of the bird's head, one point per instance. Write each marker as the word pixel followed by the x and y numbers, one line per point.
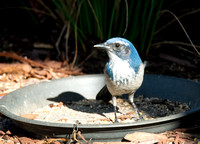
pixel 121 48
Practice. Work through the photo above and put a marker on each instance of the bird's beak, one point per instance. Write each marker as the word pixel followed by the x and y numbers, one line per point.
pixel 103 46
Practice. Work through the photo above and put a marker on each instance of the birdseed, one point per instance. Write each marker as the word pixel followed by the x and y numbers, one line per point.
pixel 99 112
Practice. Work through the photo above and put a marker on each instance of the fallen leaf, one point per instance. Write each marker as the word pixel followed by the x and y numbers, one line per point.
pixel 26 140
pixel 112 143
pixel 143 137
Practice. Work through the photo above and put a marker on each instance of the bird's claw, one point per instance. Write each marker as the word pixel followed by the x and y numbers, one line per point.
pixel 116 121
pixel 138 119
pixel 140 116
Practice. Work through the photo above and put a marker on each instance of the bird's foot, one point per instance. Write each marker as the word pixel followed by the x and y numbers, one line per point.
pixel 136 119
pixel 139 117
pixel 137 111
pixel 116 121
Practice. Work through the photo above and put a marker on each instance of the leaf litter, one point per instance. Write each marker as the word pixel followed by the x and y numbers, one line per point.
pixel 25 71
pixel 19 74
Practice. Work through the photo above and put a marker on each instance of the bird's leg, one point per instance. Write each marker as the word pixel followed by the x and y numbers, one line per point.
pixel 114 100
pixel 131 97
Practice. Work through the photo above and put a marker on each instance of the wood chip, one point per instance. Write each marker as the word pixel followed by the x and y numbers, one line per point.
pixel 143 137
pixel 30 116
pixel 112 143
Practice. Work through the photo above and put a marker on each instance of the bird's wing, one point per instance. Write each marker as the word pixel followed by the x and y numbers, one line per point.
pixel 104 94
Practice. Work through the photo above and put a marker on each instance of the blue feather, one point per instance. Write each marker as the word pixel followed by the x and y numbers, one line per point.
pixel 124 71
pixel 134 58
pixel 108 70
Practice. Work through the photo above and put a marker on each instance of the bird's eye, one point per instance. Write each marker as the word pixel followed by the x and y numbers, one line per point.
pixel 117 45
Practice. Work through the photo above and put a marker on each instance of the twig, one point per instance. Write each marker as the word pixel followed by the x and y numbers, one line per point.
pixel 81 136
pixel 16 137
pixel 68 31
pixel 186 14
pixel 75 72
pixel 59 39
pixel 183 30
pixel 47 8
pixel 88 57
pixel 66 26
pixel 76 41
pixel 184 49
pixel 67 40
pixel 96 18
pixel 174 42
pixel 177 60
pixel 126 18
pixel 29 9
pixel 22 59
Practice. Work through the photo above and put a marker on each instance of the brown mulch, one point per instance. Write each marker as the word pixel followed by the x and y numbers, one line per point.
pixel 179 136
pixel 176 137
pixel 9 138
pixel 25 71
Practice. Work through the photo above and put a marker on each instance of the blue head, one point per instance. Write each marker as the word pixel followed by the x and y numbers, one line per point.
pixel 123 49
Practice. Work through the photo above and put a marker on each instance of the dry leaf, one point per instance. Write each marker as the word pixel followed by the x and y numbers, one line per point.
pixel 143 137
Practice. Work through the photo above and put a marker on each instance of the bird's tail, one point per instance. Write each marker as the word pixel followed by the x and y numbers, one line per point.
pixel 145 63
pixel 104 94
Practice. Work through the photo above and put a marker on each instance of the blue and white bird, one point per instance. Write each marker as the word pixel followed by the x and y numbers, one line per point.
pixel 123 72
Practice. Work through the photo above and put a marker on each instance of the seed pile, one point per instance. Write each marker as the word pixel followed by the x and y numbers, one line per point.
pixel 99 112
